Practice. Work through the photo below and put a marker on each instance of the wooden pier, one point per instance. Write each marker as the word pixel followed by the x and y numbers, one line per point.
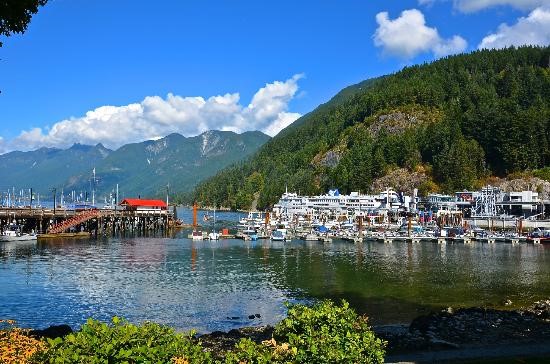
pixel 96 222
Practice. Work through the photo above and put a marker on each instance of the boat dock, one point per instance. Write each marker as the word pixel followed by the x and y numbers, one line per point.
pixel 107 222
pixel 448 240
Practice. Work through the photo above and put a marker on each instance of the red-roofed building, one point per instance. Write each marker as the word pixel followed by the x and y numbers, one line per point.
pixel 145 206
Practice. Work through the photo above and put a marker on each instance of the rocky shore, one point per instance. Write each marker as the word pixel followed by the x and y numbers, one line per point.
pixel 446 336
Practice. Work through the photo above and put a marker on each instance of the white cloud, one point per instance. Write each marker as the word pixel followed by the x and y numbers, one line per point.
pixel 154 116
pixel 408 35
pixel 469 6
pixel 426 2
pixel 450 46
pixel 283 120
pixel 533 29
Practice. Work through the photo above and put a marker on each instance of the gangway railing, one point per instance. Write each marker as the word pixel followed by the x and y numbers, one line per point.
pixel 77 219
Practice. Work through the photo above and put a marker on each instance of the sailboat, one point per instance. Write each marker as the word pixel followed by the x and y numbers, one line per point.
pixel 214 235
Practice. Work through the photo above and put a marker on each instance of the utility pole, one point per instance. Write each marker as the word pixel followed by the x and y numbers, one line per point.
pixel 54 190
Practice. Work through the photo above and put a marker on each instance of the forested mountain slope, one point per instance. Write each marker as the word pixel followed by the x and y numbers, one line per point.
pixel 448 125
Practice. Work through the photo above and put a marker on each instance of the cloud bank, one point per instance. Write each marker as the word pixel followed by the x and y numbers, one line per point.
pixel 156 117
pixel 408 35
pixel 533 30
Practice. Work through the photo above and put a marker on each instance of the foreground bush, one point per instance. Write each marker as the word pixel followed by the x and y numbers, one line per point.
pixel 324 333
pixel 16 347
pixel 123 342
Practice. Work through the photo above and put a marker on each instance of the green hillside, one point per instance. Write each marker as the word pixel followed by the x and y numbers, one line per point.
pixel 452 123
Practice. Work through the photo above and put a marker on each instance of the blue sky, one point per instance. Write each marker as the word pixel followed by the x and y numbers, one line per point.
pixel 124 71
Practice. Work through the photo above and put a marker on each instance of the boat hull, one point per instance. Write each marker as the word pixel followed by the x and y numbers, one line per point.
pixel 545 240
pixel 25 237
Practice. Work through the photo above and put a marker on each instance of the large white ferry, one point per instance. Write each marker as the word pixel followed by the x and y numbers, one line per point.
pixel 336 204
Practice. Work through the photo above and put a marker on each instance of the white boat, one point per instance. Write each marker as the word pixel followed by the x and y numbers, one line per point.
pixel 278 235
pixel 250 234
pixel 214 236
pixel 197 235
pixel 310 237
pixel 14 233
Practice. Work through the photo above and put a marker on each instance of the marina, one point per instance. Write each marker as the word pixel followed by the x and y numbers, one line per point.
pixel 217 285
pixel 391 263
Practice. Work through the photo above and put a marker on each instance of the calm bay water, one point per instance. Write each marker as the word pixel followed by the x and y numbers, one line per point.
pixel 217 285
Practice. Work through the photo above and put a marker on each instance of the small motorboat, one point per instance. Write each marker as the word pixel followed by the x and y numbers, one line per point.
pixel 15 233
pixel 214 236
pixel 539 236
pixel 278 235
pixel 197 235
pixel 310 237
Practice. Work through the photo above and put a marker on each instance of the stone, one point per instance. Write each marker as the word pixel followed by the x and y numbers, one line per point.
pixel 52 332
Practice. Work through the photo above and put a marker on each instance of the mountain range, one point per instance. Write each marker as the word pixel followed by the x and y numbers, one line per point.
pixel 143 169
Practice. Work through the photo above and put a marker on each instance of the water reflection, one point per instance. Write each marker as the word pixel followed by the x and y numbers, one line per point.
pixel 217 285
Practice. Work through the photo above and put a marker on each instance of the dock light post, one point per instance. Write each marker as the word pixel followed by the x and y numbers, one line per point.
pixel 54 190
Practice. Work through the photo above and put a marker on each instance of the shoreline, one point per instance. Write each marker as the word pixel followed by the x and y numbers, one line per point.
pixel 464 334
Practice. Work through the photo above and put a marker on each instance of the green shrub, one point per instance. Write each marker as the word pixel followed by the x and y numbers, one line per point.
pixel 249 352
pixel 328 333
pixel 123 342
pixel 323 333
pixel 543 173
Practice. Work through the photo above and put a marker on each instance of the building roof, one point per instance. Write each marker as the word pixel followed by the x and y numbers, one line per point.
pixel 137 202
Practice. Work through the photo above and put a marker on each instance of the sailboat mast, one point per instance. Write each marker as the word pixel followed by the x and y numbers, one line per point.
pixel 194 215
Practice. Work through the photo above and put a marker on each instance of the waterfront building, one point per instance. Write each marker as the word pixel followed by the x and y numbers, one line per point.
pixel 141 206
pixel 435 202
pixel 524 203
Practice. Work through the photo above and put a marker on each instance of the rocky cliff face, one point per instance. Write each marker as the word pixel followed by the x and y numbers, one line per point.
pixel 523 184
